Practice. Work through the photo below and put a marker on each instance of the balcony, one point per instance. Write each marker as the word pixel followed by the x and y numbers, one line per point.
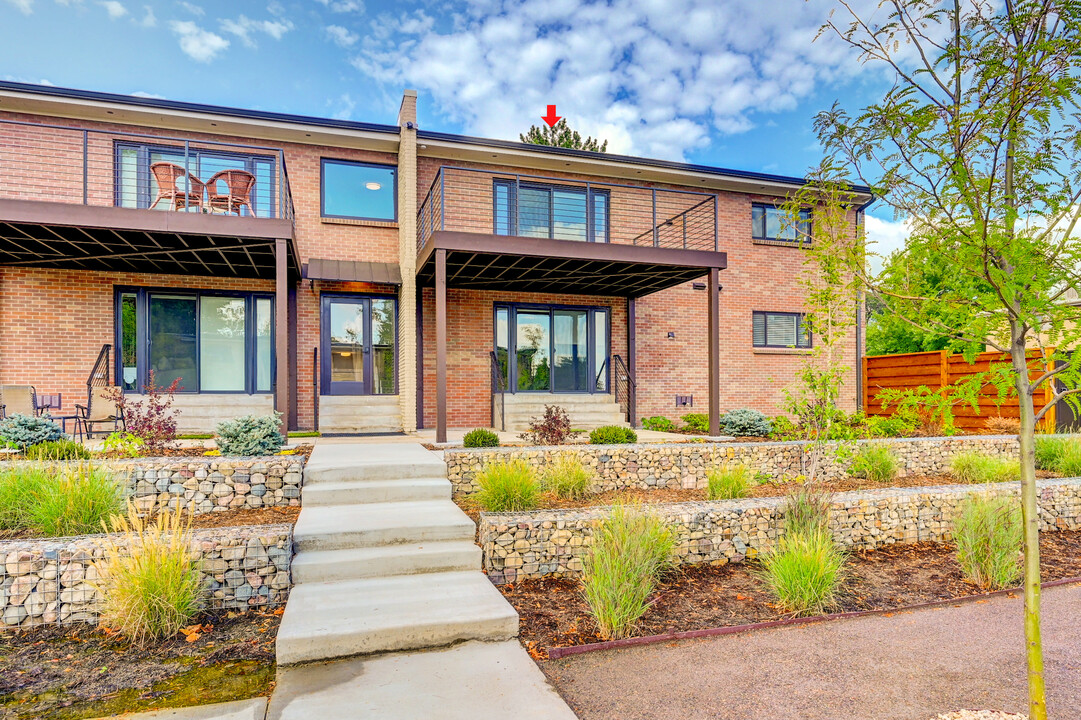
pixel 91 199
pixel 546 234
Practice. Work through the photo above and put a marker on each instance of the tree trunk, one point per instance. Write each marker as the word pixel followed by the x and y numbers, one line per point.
pixel 1037 696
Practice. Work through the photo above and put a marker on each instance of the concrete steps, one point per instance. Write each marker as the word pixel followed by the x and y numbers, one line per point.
pixel 345 492
pixel 318 566
pixel 356 414
pixel 384 614
pixel 585 411
pixel 353 526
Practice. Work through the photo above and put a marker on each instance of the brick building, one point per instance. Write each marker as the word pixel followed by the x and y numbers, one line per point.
pixel 375 278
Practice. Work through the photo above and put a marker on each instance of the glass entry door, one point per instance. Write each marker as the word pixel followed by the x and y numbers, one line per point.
pixel 358 346
pixel 552 349
pixel 571 349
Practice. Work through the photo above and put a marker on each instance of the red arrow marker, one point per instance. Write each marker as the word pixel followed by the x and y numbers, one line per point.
pixel 551 118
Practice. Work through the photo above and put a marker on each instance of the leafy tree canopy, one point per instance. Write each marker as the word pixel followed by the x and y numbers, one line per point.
pixel 560 135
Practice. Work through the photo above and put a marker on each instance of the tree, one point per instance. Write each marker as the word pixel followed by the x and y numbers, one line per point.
pixel 977 143
pixel 560 135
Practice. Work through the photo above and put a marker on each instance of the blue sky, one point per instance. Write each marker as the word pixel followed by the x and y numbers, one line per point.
pixel 733 84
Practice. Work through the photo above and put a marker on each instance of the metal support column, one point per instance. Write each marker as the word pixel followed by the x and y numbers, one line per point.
pixel 441 346
pixel 714 352
pixel 282 391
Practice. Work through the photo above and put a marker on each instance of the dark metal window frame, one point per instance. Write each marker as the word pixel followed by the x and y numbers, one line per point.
pixel 341 161
pixel 142 337
pixel 143 174
pixel 324 324
pixel 803 233
pixel 512 186
pixel 513 308
pixel 801 325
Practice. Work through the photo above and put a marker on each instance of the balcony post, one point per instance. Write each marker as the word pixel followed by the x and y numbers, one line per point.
pixel 656 232
pixel 282 390
pixel 440 346
pixel 716 226
pixel 714 352
pixel 86 167
pixel 632 363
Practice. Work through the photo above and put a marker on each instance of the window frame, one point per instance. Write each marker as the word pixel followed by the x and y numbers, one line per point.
pixel 142 337
pixel 356 163
pixel 801 324
pixel 513 185
pixel 804 233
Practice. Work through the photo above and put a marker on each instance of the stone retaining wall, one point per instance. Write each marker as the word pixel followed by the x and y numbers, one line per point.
pixel 685 465
pixel 209 484
pixel 552 542
pixel 45 582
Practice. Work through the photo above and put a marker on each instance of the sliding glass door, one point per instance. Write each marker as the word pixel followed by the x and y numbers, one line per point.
pixel 359 345
pixel 552 348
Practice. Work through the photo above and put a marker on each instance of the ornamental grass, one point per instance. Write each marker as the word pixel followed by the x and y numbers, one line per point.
pixel 988 534
pixel 507 487
pixel 57 500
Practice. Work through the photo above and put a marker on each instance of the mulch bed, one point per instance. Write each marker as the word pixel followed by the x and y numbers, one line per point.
pixel 554 613
pixel 85 671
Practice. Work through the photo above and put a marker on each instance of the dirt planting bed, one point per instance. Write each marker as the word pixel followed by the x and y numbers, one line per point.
pixel 554 613
pixel 67 673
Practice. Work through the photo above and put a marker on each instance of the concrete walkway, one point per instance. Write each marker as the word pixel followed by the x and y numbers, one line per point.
pixel 909 666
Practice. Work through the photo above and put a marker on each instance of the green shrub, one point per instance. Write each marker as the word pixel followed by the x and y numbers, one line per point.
pixel 988 534
pixel 612 435
pixel 804 571
pixel 58 500
pixel 975 467
pixel 251 435
pixel 124 444
pixel 658 423
pixel 876 426
pixel 1049 451
pixel 64 449
pixel 745 422
pixel 630 550
pixel 698 422
pixel 566 477
pixel 22 431
pixel 807 511
pixel 877 463
pixel 729 483
pixel 507 487
pixel 480 437
pixel 783 428
pixel 149 580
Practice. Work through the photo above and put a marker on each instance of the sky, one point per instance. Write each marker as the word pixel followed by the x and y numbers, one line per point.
pixel 734 84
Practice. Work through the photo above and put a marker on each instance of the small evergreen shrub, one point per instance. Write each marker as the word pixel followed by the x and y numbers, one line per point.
pixel 567 478
pixel 630 551
pixel 612 435
pixel 58 500
pixel 745 422
pixel 975 467
pixel 698 422
pixel 877 463
pixel 22 431
pixel 63 449
pixel 989 537
pixel 658 423
pixel 251 435
pixel 552 428
pixel 807 511
pixel 803 572
pixel 149 580
pixel 480 437
pixel 1049 451
pixel 507 487
pixel 729 483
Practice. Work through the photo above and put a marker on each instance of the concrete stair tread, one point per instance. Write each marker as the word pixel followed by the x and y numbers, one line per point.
pixel 346 492
pixel 340 526
pixel 385 561
pixel 370 615
pixel 390 461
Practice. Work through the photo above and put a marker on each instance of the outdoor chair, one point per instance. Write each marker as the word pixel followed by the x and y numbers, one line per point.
pixel 239 185
pixel 18 400
pixel 101 407
pixel 182 195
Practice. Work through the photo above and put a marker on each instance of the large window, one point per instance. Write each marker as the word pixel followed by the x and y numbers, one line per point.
pixel 552 348
pixel 780 330
pixel 560 212
pixel 207 342
pixel 359 190
pixel 769 222
pixel 137 178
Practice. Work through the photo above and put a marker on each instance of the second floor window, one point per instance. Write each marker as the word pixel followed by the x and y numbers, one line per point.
pixel 560 212
pixel 769 222
pixel 780 330
pixel 360 191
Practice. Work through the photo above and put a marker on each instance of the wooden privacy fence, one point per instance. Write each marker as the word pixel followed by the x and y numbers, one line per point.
pixel 938 369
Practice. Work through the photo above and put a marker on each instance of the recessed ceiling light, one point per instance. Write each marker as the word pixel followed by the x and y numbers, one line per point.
pixel 110 112
pixel 213 124
pixel 373 185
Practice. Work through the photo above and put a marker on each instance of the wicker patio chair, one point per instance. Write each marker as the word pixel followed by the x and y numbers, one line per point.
pixel 182 196
pixel 239 185
pixel 100 407
pixel 18 400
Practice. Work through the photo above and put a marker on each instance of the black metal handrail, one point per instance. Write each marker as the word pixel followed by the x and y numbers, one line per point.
pixel 315 386
pixel 626 388
pixel 99 375
pixel 499 387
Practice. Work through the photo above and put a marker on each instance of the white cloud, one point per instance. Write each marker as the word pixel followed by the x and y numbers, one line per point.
pixel 114 8
pixel 343 6
pixel 655 77
pixel 341 36
pixel 342 106
pixel 883 238
pixel 244 28
pixel 199 44
pixel 193 9
pixel 149 19
pixel 148 95
pixel 24 6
